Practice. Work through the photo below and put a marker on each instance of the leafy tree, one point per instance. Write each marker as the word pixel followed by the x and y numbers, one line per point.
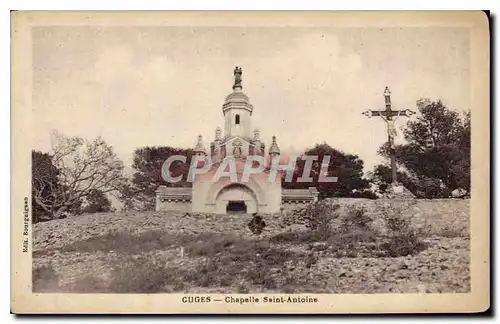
pixel 381 176
pixel 437 153
pixel 97 202
pixel 347 168
pixel 81 167
pixel 140 192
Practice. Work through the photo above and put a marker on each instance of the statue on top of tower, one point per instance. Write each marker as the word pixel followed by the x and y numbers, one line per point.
pixel 237 77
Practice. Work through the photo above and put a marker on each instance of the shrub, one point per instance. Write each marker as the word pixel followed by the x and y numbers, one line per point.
pixel 316 216
pixel 402 238
pixel 356 235
pixel 356 219
pixel 319 217
pixel 257 224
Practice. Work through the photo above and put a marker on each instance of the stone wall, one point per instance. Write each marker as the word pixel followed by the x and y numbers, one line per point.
pixel 440 213
pixel 178 206
pixel 291 206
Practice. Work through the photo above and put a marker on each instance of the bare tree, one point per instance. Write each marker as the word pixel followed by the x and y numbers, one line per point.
pixel 82 167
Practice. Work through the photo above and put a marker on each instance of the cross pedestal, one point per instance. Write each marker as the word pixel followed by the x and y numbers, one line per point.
pixel 397 188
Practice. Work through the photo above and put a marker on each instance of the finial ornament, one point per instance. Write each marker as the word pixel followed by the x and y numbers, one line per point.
pixel 199 148
pixel 237 77
pixel 218 133
pixel 256 134
pixel 274 149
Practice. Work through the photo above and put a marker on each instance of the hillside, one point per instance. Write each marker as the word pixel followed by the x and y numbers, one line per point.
pixel 152 252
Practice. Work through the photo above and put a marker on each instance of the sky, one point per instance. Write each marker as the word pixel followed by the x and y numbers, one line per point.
pixel 155 86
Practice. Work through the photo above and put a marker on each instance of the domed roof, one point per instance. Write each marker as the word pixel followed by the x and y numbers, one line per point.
pixel 237 97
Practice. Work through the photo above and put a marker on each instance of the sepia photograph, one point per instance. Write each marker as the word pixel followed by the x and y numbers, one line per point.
pixel 243 165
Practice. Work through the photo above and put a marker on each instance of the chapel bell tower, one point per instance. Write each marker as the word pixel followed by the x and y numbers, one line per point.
pixel 238 140
pixel 237 110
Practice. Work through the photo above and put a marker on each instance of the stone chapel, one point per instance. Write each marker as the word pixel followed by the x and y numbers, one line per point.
pixel 239 140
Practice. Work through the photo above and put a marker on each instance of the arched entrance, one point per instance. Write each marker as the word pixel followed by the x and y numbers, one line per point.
pixel 236 207
pixel 236 199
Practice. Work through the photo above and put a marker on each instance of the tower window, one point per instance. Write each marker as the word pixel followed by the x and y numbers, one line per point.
pixel 237 119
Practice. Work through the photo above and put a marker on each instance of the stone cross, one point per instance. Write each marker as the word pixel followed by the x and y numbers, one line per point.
pixel 390 116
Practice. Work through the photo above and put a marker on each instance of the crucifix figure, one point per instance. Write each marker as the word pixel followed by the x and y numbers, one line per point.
pixel 390 116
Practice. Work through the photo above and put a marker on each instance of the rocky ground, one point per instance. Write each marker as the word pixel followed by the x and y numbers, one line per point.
pixel 172 252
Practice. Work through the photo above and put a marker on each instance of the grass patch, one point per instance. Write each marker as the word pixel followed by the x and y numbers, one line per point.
pixel 215 260
pixel 209 244
pixel 226 262
pixel 299 237
pixel 250 261
pixel 144 242
pixel 44 279
pixel 144 275
pixel 89 284
pixel 451 232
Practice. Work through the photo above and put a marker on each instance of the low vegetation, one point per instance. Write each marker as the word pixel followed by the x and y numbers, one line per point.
pixel 159 261
pixel 223 261
pixel 353 234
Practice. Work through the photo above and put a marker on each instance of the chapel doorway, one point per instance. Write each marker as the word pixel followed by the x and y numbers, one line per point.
pixel 236 207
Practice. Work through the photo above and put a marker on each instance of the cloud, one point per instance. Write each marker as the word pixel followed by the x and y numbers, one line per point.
pixel 153 86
